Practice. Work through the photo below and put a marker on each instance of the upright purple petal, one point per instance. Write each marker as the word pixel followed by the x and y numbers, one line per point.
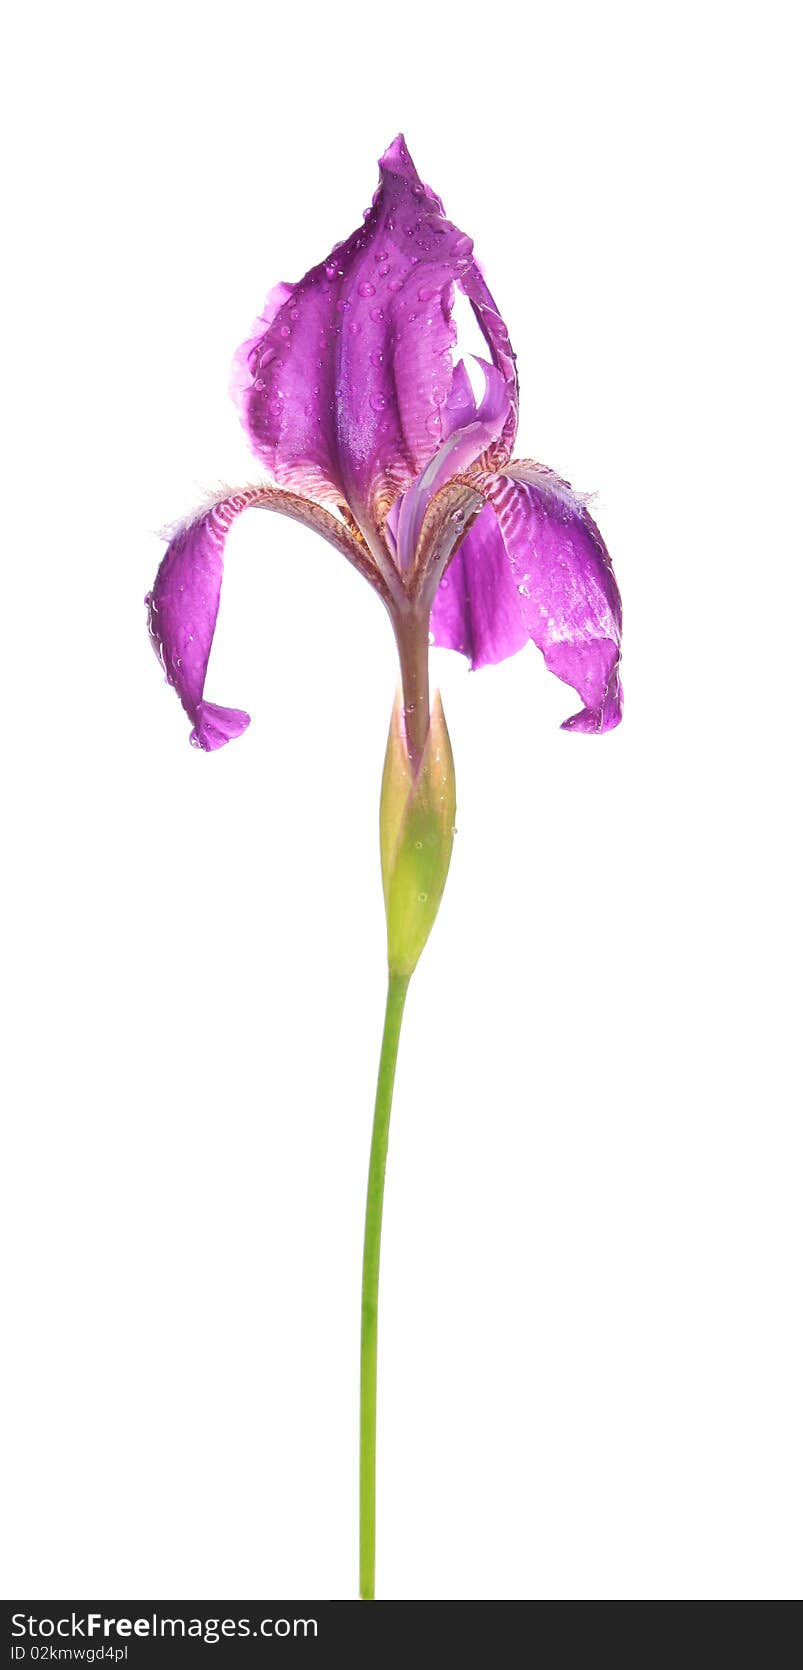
pixel 472 430
pixel 534 565
pixel 495 331
pixel 449 515
pixel 183 605
pixel 343 384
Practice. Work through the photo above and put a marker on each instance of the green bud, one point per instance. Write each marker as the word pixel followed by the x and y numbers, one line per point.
pixel 416 833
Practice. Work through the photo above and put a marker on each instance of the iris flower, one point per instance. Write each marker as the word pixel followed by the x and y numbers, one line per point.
pixel 368 431
pixel 371 429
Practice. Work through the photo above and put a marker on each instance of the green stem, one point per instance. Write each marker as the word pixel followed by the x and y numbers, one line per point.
pixel 397 992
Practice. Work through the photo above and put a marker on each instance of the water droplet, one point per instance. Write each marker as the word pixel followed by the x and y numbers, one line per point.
pixel 330 269
pixel 276 408
pixel 379 402
pixel 422 898
pixel 285 330
pixel 259 384
pixel 377 358
pixel 394 284
pixel 377 315
pixel 366 288
pixel 418 846
pixel 426 293
pixel 433 424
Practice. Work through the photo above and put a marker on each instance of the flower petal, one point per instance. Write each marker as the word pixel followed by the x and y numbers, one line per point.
pixel 449 515
pixel 495 331
pixel 569 599
pixel 476 607
pixel 343 384
pixel 472 431
pixel 183 606
pixel 542 572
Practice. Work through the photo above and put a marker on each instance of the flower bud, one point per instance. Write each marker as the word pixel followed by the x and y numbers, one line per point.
pixel 416 833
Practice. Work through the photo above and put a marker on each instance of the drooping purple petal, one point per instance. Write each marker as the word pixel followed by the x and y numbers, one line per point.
pixel 555 585
pixel 343 384
pixel 476 606
pixel 570 603
pixel 183 605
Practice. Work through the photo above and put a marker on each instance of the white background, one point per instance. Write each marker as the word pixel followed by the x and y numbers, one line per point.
pixel 590 1374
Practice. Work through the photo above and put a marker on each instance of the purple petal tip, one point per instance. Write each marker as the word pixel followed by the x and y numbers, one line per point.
pixel 215 726
pixel 594 721
pixel 396 152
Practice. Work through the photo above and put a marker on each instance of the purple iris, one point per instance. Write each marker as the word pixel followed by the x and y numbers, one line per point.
pixel 369 429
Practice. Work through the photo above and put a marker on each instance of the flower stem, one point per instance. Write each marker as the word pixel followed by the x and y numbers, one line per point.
pixel 412 641
pixel 397 992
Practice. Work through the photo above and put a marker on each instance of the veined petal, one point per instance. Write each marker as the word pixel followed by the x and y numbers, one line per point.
pixel 183 605
pixel 449 514
pixel 557 578
pixel 495 331
pixel 472 431
pixel 476 606
pixel 343 383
